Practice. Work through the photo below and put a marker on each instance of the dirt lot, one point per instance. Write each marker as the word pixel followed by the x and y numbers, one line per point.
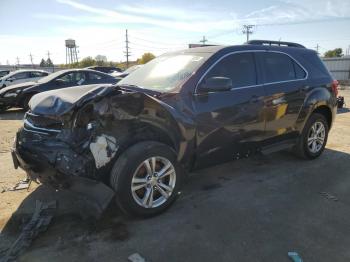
pixel 255 209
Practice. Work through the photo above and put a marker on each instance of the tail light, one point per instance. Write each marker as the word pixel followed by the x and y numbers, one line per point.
pixel 335 85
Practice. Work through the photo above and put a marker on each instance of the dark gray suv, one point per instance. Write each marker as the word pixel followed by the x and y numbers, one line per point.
pixel 182 111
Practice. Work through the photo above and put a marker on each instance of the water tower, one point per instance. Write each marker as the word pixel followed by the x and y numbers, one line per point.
pixel 71 52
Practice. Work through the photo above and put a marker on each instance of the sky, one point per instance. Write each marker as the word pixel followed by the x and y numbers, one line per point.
pixel 158 26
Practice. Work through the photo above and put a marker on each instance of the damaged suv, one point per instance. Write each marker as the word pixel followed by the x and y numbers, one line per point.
pixel 182 111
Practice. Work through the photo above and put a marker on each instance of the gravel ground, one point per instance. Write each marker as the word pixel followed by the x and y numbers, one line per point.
pixel 254 209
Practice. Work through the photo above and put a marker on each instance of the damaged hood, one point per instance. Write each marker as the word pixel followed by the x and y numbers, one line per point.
pixel 60 101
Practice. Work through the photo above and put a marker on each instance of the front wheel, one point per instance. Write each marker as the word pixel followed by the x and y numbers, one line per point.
pixel 146 178
pixel 313 138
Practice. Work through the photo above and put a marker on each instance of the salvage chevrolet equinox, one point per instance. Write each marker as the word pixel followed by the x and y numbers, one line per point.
pixel 181 111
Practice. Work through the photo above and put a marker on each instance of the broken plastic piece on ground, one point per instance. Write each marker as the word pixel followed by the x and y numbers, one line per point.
pixel 39 222
pixel 136 257
pixel 329 196
pixel 94 194
pixel 295 256
pixel 22 184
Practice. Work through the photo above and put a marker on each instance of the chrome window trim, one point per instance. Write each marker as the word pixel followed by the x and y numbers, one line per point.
pixel 253 51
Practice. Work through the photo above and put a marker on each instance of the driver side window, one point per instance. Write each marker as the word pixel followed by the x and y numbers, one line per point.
pixel 240 68
pixel 74 78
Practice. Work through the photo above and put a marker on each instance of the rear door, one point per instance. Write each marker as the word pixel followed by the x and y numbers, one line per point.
pixel 284 82
pixel 230 123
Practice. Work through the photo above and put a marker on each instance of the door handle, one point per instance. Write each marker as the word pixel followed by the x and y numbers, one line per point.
pixel 254 99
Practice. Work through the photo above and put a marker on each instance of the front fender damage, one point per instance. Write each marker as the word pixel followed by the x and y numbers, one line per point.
pixel 96 128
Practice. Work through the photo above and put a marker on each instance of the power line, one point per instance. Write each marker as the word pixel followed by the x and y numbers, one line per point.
pixel 204 40
pixel 247 30
pixel 317 48
pixel 127 53
pixel 31 59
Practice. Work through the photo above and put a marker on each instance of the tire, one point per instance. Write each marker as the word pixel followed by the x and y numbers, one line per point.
pixel 305 146
pixel 25 103
pixel 130 170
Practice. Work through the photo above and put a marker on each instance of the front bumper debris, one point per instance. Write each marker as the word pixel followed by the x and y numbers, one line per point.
pixel 54 163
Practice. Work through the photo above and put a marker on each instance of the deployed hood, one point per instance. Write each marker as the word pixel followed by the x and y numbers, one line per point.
pixel 17 86
pixel 60 101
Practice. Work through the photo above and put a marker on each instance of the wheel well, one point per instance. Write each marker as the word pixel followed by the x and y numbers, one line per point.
pixel 149 133
pixel 24 98
pixel 326 112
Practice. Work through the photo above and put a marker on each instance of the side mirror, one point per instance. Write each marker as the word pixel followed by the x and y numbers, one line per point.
pixel 10 79
pixel 215 84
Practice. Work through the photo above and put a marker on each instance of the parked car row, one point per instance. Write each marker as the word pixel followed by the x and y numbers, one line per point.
pixel 20 76
pixel 18 95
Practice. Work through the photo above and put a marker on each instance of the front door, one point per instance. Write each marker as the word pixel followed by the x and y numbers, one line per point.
pixel 230 123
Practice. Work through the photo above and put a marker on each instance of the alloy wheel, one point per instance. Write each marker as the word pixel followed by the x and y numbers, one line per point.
pixel 316 137
pixel 153 182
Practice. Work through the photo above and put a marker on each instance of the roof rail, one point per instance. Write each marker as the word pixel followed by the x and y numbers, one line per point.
pixel 278 43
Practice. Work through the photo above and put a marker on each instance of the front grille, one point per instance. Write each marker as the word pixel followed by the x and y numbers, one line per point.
pixel 41 123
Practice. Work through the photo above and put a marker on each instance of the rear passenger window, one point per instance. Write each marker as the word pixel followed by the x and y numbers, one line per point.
pixel 280 67
pixel 299 72
pixel 94 76
pixel 239 67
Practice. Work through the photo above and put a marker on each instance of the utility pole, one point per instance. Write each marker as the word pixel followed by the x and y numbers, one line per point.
pixel 17 59
pixel 204 40
pixel 317 48
pixel 127 53
pixel 247 30
pixel 7 62
pixel 31 59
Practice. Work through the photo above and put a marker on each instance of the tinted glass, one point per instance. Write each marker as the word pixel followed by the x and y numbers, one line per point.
pixel 299 72
pixel 278 67
pixel 73 78
pixel 239 67
pixel 94 76
pixel 18 76
pixel 37 74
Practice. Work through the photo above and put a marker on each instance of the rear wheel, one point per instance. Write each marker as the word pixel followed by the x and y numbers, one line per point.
pixel 314 137
pixel 146 179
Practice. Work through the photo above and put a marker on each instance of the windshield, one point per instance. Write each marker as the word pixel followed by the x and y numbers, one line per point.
pixel 164 73
pixel 51 76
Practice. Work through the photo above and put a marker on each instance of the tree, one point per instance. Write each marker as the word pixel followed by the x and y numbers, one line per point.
pixel 146 57
pixel 338 52
pixel 87 61
pixel 42 63
pixel 49 62
pixel 101 60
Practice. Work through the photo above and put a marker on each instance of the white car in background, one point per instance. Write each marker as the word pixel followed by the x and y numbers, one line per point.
pixel 20 76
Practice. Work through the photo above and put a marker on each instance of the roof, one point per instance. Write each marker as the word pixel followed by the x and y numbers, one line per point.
pixel 25 70
pixel 253 46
